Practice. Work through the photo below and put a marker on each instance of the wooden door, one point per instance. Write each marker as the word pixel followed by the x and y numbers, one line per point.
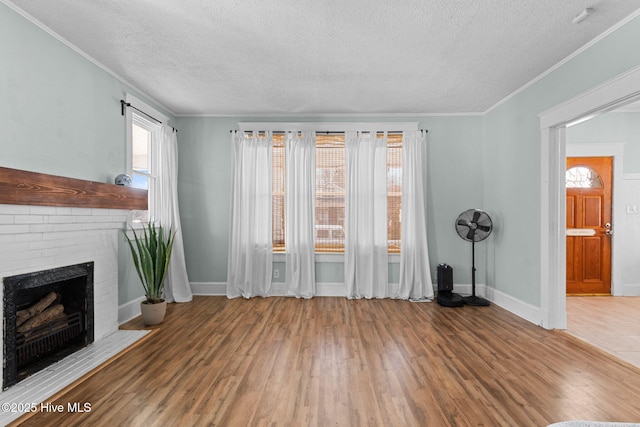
pixel 589 228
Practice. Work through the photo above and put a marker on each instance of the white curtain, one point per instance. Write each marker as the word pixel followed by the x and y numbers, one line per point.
pixel 300 205
pixel 366 260
pixel 167 213
pixel 250 246
pixel 415 274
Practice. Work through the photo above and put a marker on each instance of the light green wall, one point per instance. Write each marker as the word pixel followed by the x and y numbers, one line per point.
pixel 612 127
pixel 491 162
pixel 60 114
pixel 454 184
pixel 512 158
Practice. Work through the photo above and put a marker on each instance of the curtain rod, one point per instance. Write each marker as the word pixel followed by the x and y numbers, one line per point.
pixel 124 103
pixel 281 132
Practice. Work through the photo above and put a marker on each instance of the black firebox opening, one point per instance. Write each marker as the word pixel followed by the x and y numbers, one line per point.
pixel 47 316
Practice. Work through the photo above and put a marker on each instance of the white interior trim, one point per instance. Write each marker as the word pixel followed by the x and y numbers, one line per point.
pixel 616 92
pixel 79 51
pixel 564 61
pixel 153 126
pixel 148 109
pixel 129 310
pixel 328 126
pixel 553 310
pixel 128 113
pixel 337 257
pixel 615 150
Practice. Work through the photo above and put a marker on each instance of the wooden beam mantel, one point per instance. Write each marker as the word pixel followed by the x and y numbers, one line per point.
pixel 18 187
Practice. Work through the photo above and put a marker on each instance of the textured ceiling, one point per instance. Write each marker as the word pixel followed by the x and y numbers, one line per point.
pixel 294 57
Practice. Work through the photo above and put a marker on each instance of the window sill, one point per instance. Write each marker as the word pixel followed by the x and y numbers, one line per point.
pixel 329 257
pixel 135 224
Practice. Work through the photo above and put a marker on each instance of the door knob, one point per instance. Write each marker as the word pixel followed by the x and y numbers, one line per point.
pixel 608 232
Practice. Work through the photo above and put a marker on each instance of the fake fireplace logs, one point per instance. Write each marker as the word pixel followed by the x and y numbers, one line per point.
pixel 46 311
pixel 48 315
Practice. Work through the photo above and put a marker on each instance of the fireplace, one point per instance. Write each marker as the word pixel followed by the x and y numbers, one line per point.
pixel 47 315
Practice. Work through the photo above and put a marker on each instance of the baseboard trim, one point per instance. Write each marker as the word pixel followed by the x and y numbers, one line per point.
pixel 631 290
pixel 328 289
pixel 331 290
pixel 467 289
pixel 129 310
pixel 209 288
pixel 519 308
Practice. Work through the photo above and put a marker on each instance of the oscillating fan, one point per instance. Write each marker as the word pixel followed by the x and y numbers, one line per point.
pixel 474 225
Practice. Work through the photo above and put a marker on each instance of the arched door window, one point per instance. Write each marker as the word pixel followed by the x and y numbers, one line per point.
pixel 582 177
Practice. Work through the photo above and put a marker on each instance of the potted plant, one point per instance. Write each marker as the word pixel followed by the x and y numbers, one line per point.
pixel 151 252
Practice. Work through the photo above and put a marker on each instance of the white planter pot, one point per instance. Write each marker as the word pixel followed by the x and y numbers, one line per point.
pixel 153 314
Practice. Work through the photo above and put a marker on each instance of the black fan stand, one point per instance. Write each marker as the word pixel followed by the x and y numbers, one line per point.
pixel 473 299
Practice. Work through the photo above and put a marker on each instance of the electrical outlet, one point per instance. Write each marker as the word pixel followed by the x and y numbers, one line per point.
pixel 276 274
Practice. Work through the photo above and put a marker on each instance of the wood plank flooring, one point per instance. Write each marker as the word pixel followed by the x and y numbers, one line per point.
pixel 333 361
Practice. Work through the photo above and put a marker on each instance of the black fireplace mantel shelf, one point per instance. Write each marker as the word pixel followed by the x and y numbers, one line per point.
pixel 19 187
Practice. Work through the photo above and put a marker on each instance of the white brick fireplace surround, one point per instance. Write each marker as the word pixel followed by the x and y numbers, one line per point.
pixel 34 238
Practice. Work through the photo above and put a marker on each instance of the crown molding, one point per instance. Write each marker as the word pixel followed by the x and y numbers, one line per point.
pixel 82 53
pixel 94 61
pixel 594 41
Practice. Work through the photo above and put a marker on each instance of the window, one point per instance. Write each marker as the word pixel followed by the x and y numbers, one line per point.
pixel 142 164
pixel 394 190
pixel 143 134
pixel 278 178
pixel 330 192
pixel 582 177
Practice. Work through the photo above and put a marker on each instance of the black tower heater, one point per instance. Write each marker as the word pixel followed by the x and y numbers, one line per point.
pixel 446 297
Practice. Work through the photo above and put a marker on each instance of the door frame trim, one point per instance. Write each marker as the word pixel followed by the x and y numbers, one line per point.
pixel 615 150
pixel 612 94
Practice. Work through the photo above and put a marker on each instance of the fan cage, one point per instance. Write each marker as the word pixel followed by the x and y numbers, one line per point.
pixel 473 225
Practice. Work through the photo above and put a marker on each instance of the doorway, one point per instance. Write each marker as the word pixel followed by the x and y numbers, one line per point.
pixel 614 93
pixel 589 185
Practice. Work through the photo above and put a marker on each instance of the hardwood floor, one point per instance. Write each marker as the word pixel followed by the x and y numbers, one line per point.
pixel 333 361
pixel 609 323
